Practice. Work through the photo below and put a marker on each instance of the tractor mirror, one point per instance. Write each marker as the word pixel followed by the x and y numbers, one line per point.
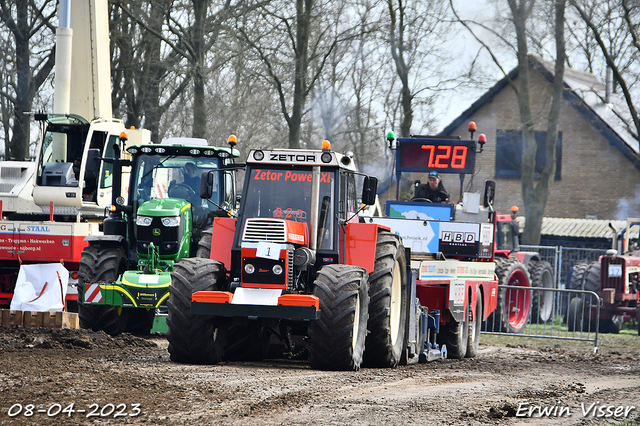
pixel 93 163
pixel 369 189
pixel 206 184
pixel 489 192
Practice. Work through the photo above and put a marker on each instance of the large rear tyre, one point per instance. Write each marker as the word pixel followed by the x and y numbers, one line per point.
pixel 204 245
pixel 592 277
pixel 541 274
pixel 456 335
pixel 474 328
pixel 103 265
pixel 337 339
pixel 387 325
pixel 513 306
pixel 193 338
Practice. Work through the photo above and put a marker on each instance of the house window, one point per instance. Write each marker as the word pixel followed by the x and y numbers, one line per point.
pixel 509 154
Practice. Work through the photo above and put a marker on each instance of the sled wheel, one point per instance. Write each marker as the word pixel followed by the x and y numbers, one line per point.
pixel 474 328
pixel 456 335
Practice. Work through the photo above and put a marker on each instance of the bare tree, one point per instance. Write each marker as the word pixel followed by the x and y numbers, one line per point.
pixel 418 32
pixel 31 29
pixel 534 193
pixel 191 29
pixel 146 78
pixel 615 28
pixel 293 42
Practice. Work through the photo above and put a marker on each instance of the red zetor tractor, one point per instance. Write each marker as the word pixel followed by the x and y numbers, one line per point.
pixel 616 279
pixel 295 273
pixel 523 269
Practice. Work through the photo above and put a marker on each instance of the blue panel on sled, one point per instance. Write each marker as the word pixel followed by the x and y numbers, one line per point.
pixel 419 210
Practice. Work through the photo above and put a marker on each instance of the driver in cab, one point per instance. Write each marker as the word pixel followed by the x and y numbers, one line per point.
pixel 433 191
pixel 191 177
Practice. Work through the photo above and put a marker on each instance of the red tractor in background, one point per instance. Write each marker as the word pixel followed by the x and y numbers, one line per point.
pixel 616 279
pixel 519 268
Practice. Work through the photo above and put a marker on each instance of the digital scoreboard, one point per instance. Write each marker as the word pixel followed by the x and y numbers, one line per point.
pixel 441 155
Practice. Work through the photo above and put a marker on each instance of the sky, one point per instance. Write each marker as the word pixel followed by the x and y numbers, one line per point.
pixel 479 11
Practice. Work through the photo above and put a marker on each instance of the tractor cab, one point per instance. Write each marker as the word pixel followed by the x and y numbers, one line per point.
pixel 69 171
pixel 125 274
pixel 299 201
pixel 164 194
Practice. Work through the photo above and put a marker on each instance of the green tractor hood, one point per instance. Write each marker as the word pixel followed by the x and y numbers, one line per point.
pixel 164 229
pixel 164 207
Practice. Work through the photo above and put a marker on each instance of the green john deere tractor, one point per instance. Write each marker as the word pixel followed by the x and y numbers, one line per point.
pixel 124 274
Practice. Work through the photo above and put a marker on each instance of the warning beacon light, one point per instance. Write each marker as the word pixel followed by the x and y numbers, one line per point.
pixel 232 141
pixel 472 128
pixel 482 139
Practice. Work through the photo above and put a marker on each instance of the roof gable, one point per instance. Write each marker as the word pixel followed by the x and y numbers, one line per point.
pixel 583 91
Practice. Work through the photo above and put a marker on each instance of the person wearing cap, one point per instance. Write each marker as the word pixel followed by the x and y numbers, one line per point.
pixel 433 191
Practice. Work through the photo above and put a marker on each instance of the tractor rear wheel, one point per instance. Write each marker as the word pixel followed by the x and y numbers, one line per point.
pixel 337 339
pixel 204 245
pixel 474 328
pixel 513 306
pixel 104 265
pixel 592 277
pixel 193 338
pixel 387 325
pixel 456 335
pixel 541 301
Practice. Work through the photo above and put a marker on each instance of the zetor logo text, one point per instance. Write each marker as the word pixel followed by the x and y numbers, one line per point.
pixel 300 158
pixel 325 177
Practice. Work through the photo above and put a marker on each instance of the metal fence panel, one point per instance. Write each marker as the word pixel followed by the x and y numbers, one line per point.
pixel 563 259
pixel 577 319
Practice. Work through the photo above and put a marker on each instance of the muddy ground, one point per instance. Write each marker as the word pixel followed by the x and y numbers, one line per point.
pixel 43 372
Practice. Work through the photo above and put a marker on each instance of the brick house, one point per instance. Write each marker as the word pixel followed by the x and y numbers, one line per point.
pixel 598 154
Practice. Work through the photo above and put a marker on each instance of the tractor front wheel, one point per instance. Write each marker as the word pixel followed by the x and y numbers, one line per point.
pixel 193 338
pixel 542 301
pixel 337 339
pixel 101 265
pixel 575 315
pixel 387 308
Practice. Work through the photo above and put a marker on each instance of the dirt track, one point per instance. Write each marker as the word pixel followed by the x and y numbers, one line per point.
pixel 45 368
